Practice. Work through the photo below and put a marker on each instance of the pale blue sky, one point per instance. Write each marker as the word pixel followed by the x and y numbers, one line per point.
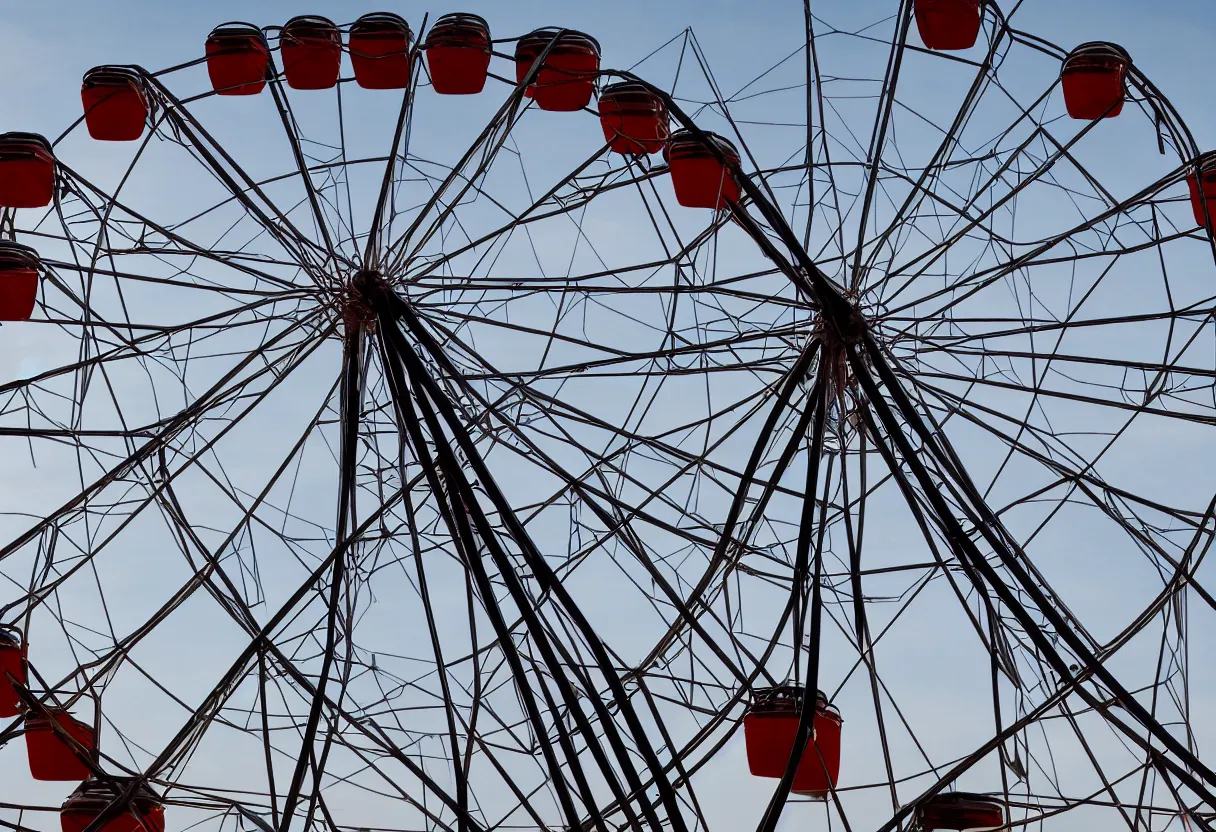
pixel 45 47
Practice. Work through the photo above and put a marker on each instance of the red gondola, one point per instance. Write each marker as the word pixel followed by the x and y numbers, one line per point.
pixel 312 52
pixel 19 267
pixel 51 758
pixel 458 54
pixel 380 51
pixel 1205 172
pixel 634 118
pixel 699 178
pixel 566 82
pixel 949 25
pixel 237 59
pixel 13 650
pixel 1093 80
pixel 115 103
pixel 144 812
pixel 27 171
pixel 770 728
pixel 959 811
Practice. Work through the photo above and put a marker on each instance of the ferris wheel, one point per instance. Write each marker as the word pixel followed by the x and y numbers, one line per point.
pixel 467 430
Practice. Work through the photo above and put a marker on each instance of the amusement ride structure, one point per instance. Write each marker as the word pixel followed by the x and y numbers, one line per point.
pixel 445 430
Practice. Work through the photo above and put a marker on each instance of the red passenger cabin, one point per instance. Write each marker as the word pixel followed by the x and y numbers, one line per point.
pixel 1202 182
pixel 13 650
pixel 458 54
pixel 566 81
pixel 115 103
pixel 770 728
pixel 1094 80
pixel 237 59
pixel 312 52
pixel 380 51
pixel 634 118
pixel 700 179
pixel 27 171
pixel 949 25
pixel 51 756
pixel 19 268
pixel 144 812
pixel 960 811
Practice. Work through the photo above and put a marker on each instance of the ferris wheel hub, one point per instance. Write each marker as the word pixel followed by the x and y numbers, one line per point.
pixel 841 322
pixel 359 300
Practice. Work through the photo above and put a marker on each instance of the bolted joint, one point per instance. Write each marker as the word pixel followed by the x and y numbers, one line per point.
pixel 363 298
pixel 370 286
pixel 843 319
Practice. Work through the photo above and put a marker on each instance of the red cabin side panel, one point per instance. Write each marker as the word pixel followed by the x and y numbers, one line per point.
pixel 12 661
pixel 18 294
pixel 237 64
pixel 114 112
pixel 566 82
pixel 1205 195
pixel 76 820
pixel 50 757
pixel 380 51
pixel 458 70
pixel 634 134
pixel 770 742
pixel 698 176
pixel 1090 94
pixel 27 173
pixel 381 63
pixel 958 813
pixel 634 123
pixel 458 51
pixel 948 25
pixel 1093 79
pixel 312 54
pixel 702 182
